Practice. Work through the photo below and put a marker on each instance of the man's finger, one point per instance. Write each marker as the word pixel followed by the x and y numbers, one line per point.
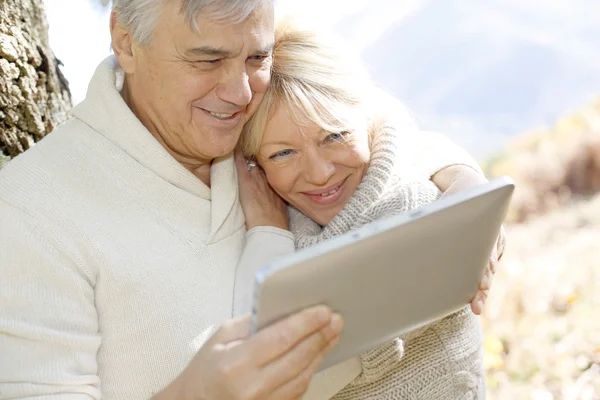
pixel 296 387
pixel 279 338
pixel 234 329
pixel 291 364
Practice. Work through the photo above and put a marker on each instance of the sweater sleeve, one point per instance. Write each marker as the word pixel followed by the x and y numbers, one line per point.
pixel 263 244
pixel 424 153
pixel 48 323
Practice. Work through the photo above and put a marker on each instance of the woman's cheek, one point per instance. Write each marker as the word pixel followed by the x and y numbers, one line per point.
pixel 277 179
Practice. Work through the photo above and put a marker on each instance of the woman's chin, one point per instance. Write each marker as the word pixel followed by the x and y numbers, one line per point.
pixel 322 218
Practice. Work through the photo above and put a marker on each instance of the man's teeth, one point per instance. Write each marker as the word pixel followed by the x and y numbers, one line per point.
pixel 329 193
pixel 221 116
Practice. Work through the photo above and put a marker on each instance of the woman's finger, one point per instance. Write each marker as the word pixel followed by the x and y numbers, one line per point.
pixel 240 161
pixel 485 284
pixel 500 244
pixel 477 303
pixel 486 279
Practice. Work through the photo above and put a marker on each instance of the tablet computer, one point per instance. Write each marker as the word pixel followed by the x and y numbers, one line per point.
pixel 391 276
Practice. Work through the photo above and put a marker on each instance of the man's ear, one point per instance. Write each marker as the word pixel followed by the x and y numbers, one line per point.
pixel 122 44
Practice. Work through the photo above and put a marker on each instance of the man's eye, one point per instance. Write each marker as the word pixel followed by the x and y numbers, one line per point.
pixel 208 65
pixel 260 58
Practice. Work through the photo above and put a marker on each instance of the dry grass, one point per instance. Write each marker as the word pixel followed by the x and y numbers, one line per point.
pixel 542 320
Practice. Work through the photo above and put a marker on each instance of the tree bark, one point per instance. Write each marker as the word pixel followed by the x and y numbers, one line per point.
pixel 34 95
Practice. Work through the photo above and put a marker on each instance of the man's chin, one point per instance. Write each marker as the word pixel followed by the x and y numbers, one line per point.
pixel 218 151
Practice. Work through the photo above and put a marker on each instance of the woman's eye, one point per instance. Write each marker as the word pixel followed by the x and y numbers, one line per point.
pixel 280 154
pixel 336 136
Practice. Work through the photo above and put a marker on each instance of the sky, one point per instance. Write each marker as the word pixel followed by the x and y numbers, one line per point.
pixel 479 71
pixel 79 37
pixel 79 29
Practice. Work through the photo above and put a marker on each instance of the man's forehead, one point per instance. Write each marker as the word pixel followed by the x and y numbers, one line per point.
pixel 255 33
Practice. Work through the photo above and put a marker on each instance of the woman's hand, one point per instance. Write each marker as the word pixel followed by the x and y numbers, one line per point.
pixel 486 282
pixel 275 364
pixel 261 205
pixel 455 179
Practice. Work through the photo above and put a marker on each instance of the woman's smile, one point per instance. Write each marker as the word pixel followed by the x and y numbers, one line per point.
pixel 326 196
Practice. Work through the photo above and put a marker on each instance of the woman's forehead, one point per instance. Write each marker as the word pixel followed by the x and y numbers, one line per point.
pixel 288 121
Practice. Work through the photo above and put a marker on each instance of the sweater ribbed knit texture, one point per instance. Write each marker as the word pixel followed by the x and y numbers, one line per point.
pixel 442 360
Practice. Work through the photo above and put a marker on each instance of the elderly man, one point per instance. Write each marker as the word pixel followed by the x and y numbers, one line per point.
pixel 120 232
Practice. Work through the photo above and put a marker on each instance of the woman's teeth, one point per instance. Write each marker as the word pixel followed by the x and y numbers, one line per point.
pixel 329 193
pixel 221 116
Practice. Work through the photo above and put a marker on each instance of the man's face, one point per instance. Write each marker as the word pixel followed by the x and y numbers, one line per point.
pixel 195 91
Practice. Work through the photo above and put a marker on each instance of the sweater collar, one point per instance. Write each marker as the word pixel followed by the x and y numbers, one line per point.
pixel 105 111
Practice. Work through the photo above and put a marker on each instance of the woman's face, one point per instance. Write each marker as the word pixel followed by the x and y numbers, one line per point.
pixel 315 171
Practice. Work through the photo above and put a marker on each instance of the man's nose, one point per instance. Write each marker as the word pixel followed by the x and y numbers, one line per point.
pixel 234 87
pixel 318 168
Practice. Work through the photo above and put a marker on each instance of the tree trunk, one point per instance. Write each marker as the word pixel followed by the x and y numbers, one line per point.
pixel 34 95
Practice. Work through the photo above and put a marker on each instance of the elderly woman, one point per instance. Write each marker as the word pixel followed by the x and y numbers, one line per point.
pixel 322 138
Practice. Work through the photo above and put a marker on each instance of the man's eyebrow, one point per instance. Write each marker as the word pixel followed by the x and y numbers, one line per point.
pixel 266 49
pixel 208 51
pixel 216 52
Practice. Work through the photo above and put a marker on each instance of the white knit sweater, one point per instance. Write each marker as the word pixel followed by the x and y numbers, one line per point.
pixel 116 263
pixel 440 361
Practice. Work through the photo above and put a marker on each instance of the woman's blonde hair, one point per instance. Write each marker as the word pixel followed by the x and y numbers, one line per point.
pixel 315 75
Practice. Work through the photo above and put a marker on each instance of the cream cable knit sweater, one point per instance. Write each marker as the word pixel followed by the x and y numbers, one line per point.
pixel 417 157
pixel 116 263
pixel 439 361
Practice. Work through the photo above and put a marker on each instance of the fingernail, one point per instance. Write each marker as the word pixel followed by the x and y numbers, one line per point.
pixel 323 313
pixel 480 305
pixel 337 323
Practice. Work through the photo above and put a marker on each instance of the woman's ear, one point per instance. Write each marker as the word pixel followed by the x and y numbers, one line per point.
pixel 122 44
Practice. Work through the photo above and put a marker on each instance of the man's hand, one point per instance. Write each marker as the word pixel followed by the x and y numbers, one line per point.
pixel 454 179
pixel 277 363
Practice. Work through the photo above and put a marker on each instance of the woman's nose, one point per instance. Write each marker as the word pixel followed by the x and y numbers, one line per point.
pixel 318 169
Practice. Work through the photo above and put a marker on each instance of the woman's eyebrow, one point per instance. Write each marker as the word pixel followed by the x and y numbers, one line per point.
pixel 280 143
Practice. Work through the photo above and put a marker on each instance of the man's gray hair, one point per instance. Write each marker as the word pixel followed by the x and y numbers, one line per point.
pixel 141 16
